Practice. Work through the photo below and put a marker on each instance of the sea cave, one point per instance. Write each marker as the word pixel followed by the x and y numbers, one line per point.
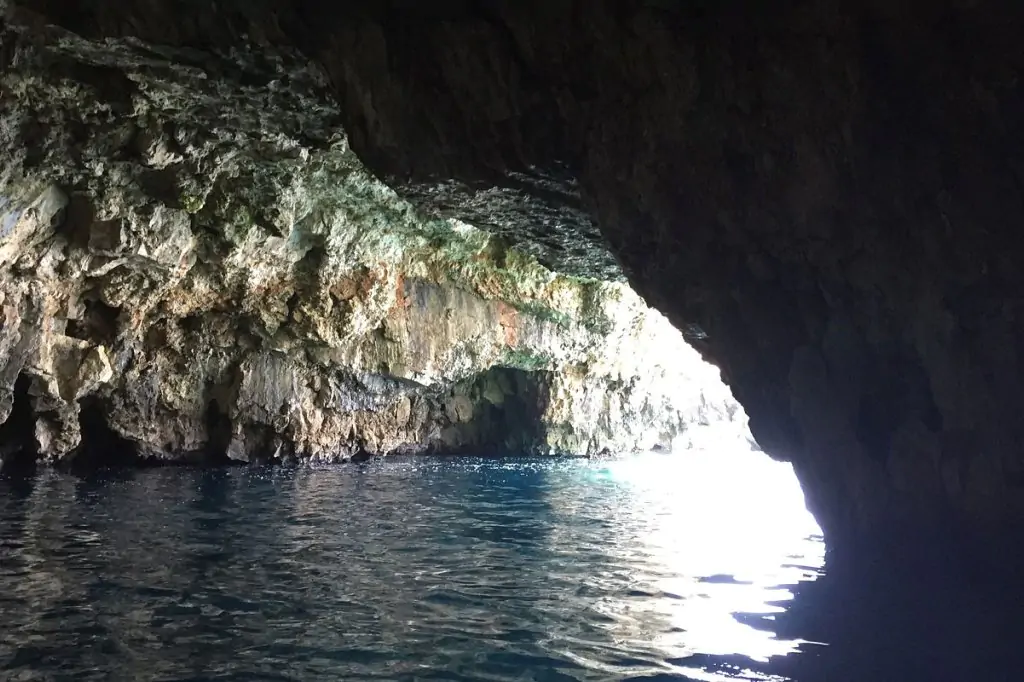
pixel 300 235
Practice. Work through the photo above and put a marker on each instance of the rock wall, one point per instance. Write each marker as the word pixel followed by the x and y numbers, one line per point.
pixel 824 194
pixel 827 194
pixel 235 287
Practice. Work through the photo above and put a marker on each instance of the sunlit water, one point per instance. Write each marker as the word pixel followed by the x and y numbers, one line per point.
pixel 445 569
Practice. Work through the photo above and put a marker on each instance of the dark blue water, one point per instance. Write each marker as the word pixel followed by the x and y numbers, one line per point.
pixel 443 569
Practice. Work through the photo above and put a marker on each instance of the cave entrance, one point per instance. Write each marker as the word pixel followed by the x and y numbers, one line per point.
pixel 733 542
pixel 730 508
pixel 101 445
pixel 18 446
pixel 752 508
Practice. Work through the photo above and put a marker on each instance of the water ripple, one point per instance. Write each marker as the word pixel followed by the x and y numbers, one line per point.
pixel 419 570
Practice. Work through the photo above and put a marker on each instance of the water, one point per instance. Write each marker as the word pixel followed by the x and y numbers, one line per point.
pixel 432 569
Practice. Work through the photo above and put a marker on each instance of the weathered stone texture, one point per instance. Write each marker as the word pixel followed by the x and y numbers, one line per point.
pixel 826 193
pixel 196 266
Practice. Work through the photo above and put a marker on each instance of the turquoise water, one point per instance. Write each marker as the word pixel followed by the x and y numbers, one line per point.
pixel 664 567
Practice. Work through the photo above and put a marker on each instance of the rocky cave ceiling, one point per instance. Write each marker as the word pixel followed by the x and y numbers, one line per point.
pixel 828 193
pixel 196 267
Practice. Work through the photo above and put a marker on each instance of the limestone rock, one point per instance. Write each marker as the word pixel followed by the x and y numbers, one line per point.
pixel 826 195
pixel 196 266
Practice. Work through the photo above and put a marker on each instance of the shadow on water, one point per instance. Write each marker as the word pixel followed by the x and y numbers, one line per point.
pixel 874 625
pixel 515 506
pixel 861 622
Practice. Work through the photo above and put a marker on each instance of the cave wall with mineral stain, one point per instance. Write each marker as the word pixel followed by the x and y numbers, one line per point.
pixel 826 193
pixel 195 283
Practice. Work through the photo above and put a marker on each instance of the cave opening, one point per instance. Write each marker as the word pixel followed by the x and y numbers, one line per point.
pixel 18 446
pixel 731 527
pixel 101 446
pixel 498 413
pixel 825 195
pixel 218 434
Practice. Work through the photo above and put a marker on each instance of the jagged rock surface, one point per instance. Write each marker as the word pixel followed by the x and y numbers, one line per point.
pixel 826 193
pixel 829 192
pixel 238 286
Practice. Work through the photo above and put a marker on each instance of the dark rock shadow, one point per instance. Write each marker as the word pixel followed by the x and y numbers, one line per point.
pixel 863 623
pixel 18 446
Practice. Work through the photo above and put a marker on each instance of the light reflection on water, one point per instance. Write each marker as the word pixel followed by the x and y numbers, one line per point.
pixel 731 535
pixel 425 569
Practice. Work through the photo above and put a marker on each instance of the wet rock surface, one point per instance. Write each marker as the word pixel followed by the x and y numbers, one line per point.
pixel 826 194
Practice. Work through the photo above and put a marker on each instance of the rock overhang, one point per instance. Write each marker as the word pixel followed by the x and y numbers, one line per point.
pixel 224 276
pixel 827 191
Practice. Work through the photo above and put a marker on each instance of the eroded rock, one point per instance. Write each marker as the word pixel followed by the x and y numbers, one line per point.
pixel 825 195
pixel 198 268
